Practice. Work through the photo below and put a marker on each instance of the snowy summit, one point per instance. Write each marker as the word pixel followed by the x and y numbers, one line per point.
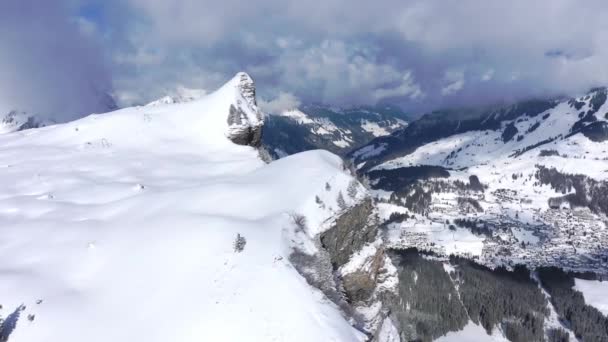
pixel 161 223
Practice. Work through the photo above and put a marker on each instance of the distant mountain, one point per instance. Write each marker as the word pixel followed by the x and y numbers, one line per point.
pixel 324 127
pixel 486 205
pixel 17 120
pixel 533 169
pixel 179 95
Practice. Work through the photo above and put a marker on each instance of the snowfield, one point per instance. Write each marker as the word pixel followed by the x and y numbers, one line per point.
pixel 472 332
pixel 594 292
pixel 121 227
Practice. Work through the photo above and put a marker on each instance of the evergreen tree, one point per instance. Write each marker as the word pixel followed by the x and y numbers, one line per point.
pixel 239 243
pixel 341 201
pixel 319 202
pixel 352 189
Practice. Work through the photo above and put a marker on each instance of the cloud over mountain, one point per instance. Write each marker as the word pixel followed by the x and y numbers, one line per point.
pixel 420 54
pixel 49 62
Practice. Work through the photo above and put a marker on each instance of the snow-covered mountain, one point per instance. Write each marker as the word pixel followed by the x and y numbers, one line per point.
pixel 165 223
pixel 539 165
pixel 179 95
pixel 324 127
pixel 525 184
pixel 18 120
pixel 161 223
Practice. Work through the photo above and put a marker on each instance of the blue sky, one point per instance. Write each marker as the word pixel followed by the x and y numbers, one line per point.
pixel 420 54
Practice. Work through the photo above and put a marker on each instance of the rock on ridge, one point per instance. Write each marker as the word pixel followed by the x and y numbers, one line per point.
pixel 245 120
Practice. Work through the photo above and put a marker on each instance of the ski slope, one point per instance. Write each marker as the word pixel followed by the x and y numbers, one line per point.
pixel 120 227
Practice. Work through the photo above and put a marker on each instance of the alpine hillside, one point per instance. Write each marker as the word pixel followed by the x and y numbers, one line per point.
pixel 325 127
pixel 162 223
pixel 495 219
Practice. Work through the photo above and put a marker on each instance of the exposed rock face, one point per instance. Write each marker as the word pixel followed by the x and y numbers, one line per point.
pixel 352 231
pixel 245 120
pixel 360 285
pixel 363 269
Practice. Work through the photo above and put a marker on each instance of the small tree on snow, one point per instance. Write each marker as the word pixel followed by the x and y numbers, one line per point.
pixel 299 220
pixel 341 201
pixel 352 189
pixel 239 243
pixel 327 186
pixel 319 202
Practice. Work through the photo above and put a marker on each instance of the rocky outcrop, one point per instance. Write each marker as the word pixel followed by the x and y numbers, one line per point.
pixel 362 269
pixel 245 120
pixel 352 231
pixel 360 284
pixel 241 131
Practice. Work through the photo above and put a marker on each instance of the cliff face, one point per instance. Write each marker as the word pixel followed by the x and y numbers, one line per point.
pixel 352 231
pixel 362 268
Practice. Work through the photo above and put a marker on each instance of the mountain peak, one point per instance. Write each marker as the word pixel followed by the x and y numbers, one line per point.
pixel 245 86
pixel 245 120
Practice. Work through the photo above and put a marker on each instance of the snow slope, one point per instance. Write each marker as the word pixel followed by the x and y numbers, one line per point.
pixel 594 292
pixel 120 227
pixel 472 332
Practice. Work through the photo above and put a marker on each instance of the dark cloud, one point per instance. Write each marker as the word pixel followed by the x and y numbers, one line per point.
pixel 48 62
pixel 421 54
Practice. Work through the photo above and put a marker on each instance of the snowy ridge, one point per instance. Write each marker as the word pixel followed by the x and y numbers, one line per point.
pixel 18 121
pixel 486 147
pixel 122 227
pixel 180 95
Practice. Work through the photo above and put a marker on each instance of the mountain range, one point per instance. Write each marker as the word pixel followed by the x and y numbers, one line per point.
pixel 325 127
pixel 199 217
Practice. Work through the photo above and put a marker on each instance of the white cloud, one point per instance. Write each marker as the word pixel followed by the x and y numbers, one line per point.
pixel 455 82
pixel 488 75
pixel 284 101
pixel 50 64
pixel 346 53
pixel 358 52
pixel 408 88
